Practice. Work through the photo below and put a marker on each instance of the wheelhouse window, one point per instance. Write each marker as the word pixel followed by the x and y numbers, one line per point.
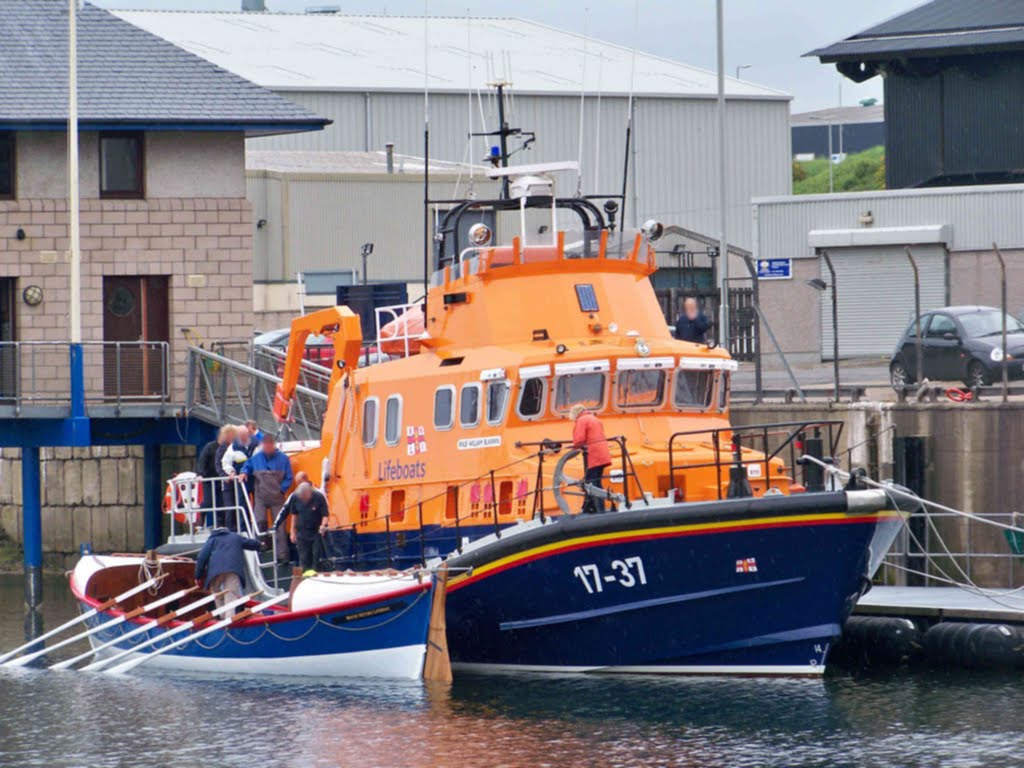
pixel 582 388
pixel 469 406
pixel 640 389
pixel 724 386
pixel 497 401
pixel 121 165
pixel 531 398
pixel 370 425
pixel 393 420
pixel 444 408
pixel 693 389
pixel 7 166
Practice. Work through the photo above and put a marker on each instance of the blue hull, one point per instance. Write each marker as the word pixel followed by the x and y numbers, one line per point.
pixel 754 586
pixel 379 638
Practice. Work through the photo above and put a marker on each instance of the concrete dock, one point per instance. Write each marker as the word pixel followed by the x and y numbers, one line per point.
pixel 944 604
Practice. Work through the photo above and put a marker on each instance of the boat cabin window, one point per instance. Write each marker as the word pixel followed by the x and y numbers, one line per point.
pixel 640 389
pixel 444 407
pixel 531 398
pixel 497 401
pixel 469 406
pixel 393 420
pixel 583 388
pixel 694 389
pixel 370 425
pixel 723 391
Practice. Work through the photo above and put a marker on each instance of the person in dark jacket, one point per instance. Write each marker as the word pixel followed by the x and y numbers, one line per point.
pixel 311 515
pixel 224 495
pixel 206 468
pixel 692 324
pixel 220 566
pixel 270 473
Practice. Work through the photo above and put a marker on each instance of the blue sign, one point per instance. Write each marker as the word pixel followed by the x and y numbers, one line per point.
pixel 774 269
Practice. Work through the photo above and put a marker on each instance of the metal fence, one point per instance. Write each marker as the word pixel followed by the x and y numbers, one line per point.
pixel 38 373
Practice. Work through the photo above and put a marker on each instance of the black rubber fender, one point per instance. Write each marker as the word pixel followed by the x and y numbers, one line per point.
pixel 975 646
pixel 871 641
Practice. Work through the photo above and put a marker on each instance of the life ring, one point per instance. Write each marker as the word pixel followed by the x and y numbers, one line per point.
pixel 176 501
pixel 958 395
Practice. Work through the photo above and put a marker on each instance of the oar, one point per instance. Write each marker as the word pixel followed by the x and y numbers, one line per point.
pixel 23 660
pixel 84 616
pixel 222 624
pixel 167 634
pixel 167 618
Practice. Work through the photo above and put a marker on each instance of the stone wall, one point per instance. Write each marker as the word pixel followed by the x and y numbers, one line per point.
pixel 89 495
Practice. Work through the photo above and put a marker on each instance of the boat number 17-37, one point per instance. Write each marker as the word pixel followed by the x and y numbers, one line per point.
pixel 627 572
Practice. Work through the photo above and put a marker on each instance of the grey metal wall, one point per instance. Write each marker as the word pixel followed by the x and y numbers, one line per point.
pixel 978 216
pixel 675 150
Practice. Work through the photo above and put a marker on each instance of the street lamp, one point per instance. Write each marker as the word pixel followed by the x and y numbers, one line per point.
pixel 831 186
pixel 742 67
pixel 366 251
pixel 820 285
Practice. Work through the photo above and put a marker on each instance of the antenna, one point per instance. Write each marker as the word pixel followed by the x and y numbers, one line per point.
pixel 469 98
pixel 629 114
pixel 427 229
pixel 583 92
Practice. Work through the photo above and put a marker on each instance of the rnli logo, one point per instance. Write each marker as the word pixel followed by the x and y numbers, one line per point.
pixel 748 565
pixel 415 440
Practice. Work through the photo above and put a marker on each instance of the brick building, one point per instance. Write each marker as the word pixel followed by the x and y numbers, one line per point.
pixel 166 230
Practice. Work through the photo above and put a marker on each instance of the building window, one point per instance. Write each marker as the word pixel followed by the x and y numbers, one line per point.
pixel 370 424
pixel 444 410
pixel 393 420
pixel 121 165
pixel 469 406
pixel 7 166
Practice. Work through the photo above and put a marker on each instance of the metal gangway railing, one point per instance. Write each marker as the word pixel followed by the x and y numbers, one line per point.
pixel 198 505
pixel 116 374
pixel 223 390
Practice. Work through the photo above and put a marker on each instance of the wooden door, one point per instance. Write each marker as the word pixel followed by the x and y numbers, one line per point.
pixel 8 333
pixel 135 313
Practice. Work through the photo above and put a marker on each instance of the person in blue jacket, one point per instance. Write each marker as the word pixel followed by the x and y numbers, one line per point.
pixel 270 473
pixel 692 324
pixel 220 566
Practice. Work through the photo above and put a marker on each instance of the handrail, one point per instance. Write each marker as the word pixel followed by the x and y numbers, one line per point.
pixel 792 430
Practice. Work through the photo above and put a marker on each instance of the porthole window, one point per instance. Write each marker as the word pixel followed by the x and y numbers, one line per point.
pixel 444 407
pixel 497 401
pixel 531 398
pixel 469 406
pixel 393 420
pixel 370 424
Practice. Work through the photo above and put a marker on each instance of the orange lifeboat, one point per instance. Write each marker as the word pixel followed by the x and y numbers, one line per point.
pixel 403 334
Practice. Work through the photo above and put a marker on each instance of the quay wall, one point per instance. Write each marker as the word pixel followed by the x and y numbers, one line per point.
pixel 974 462
pixel 89 495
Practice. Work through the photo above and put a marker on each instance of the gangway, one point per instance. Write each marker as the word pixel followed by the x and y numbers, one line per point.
pixel 221 390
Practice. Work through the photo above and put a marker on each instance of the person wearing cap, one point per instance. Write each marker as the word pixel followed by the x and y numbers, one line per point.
pixel 310 515
pixel 588 435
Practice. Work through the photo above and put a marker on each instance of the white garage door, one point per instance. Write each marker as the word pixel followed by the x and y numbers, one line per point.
pixel 876 296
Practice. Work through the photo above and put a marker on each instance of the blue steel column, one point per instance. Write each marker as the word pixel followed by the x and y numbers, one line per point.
pixel 152 497
pixel 32 526
pixel 79 424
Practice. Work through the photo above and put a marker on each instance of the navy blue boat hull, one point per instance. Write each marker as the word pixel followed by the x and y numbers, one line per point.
pixel 758 586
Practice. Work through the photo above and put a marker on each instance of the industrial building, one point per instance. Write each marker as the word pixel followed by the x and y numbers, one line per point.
pixel 368 73
pixel 853 129
pixel 949 67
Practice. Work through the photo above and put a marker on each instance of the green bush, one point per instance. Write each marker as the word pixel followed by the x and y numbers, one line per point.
pixel 857 173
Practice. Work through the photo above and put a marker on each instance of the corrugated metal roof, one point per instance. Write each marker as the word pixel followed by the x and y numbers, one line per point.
pixel 325 52
pixel 126 75
pixel 840 116
pixel 941 26
pixel 313 162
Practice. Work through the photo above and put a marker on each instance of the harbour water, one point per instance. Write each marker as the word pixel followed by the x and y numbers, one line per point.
pixel 72 720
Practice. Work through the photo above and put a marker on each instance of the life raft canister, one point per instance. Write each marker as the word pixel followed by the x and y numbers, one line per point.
pixel 182 495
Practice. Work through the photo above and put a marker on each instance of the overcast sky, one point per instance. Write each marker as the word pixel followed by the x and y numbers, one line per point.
pixel 769 35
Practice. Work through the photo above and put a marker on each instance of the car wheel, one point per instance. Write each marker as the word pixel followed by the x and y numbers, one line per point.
pixel 898 375
pixel 977 375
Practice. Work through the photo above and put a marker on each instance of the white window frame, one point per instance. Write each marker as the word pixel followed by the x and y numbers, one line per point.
pixel 401 410
pixel 504 408
pixel 479 404
pixel 376 422
pixel 451 415
pixel 669 381
pixel 605 385
pixel 543 398
pixel 712 401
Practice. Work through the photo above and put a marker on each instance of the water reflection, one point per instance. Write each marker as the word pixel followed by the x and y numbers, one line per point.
pixel 74 719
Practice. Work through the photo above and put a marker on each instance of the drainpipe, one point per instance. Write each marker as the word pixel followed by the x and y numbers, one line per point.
pixel 390 149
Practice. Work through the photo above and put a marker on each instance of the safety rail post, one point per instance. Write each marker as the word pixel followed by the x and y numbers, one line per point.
pixel 423 557
pixel 716 440
pixel 387 534
pixel 621 441
pixel 458 529
pixel 767 465
pixel 538 490
pixel 494 506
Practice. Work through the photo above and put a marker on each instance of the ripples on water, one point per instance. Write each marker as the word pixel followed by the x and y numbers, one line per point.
pixel 65 719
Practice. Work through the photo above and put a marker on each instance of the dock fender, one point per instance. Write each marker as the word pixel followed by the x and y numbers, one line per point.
pixel 870 641
pixel 975 646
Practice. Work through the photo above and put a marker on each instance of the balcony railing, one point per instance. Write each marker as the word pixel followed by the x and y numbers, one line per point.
pixel 116 373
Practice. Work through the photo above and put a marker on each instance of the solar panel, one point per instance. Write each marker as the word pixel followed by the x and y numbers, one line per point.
pixel 586 297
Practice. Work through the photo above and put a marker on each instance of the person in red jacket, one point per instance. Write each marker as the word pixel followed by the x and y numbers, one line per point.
pixel 588 435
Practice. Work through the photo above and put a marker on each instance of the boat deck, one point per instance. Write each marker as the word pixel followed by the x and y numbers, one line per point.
pixel 944 604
